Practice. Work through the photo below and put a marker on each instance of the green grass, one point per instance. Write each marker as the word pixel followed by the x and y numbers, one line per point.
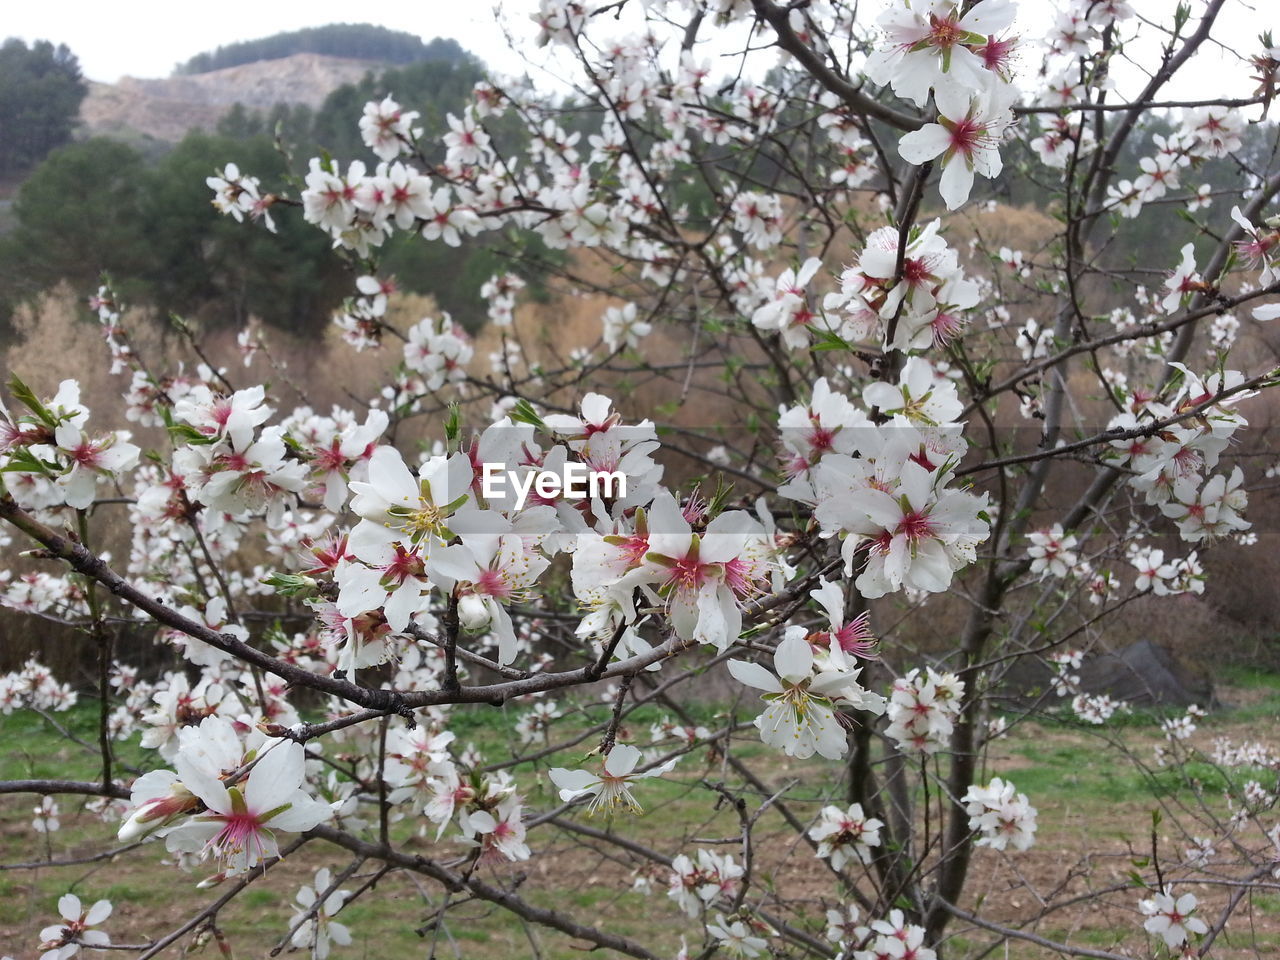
pixel 1262 689
pixel 1080 773
pixel 1087 936
pixel 1267 904
pixel 1087 773
pixel 35 749
pixel 1237 675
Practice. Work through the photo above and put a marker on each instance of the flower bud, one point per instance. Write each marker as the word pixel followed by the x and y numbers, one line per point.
pixel 155 813
pixel 473 613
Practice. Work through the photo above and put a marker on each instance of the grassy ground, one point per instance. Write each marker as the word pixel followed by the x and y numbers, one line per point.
pixel 1092 805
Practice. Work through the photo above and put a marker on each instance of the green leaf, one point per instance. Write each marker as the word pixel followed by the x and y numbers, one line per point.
pixel 829 340
pixel 24 395
pixel 184 431
pixel 453 426
pixel 719 498
pixel 523 412
pixel 290 584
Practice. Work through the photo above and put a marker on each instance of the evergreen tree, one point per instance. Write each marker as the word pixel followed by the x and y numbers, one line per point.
pixel 40 93
pixel 201 261
pixel 76 215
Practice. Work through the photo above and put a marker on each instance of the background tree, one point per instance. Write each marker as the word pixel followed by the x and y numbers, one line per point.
pixel 56 239
pixel 40 93
pixel 155 227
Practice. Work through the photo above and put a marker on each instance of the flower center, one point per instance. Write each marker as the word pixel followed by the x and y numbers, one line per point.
pixel 915 526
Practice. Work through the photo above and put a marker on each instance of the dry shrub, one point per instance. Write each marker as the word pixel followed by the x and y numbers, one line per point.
pixel 57 338
pixel 1019 228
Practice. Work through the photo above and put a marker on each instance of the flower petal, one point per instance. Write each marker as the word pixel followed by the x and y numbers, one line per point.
pixel 754 675
pixel 924 144
pixel 276 777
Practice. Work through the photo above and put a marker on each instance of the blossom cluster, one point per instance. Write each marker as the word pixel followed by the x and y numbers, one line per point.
pixel 885 486
pixel 34 686
pixel 922 710
pixel 892 937
pixel 964 55
pixel 1001 817
pixel 699 883
pixel 48 457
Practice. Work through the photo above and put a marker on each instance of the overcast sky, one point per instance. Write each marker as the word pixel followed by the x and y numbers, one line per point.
pixel 146 38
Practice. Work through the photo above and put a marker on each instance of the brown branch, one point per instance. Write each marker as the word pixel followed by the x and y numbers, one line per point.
pixel 851 94
pixel 211 911
pixel 456 882
pixel 1011 934
pixel 1111 436
pixel 91 788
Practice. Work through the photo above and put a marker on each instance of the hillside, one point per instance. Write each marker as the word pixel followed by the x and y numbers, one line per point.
pixel 359 41
pixel 165 109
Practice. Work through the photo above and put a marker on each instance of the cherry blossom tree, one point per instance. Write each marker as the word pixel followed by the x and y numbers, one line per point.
pixel 866 411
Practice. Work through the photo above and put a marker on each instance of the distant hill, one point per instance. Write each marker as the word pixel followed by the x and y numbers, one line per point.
pixel 357 41
pixel 166 109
